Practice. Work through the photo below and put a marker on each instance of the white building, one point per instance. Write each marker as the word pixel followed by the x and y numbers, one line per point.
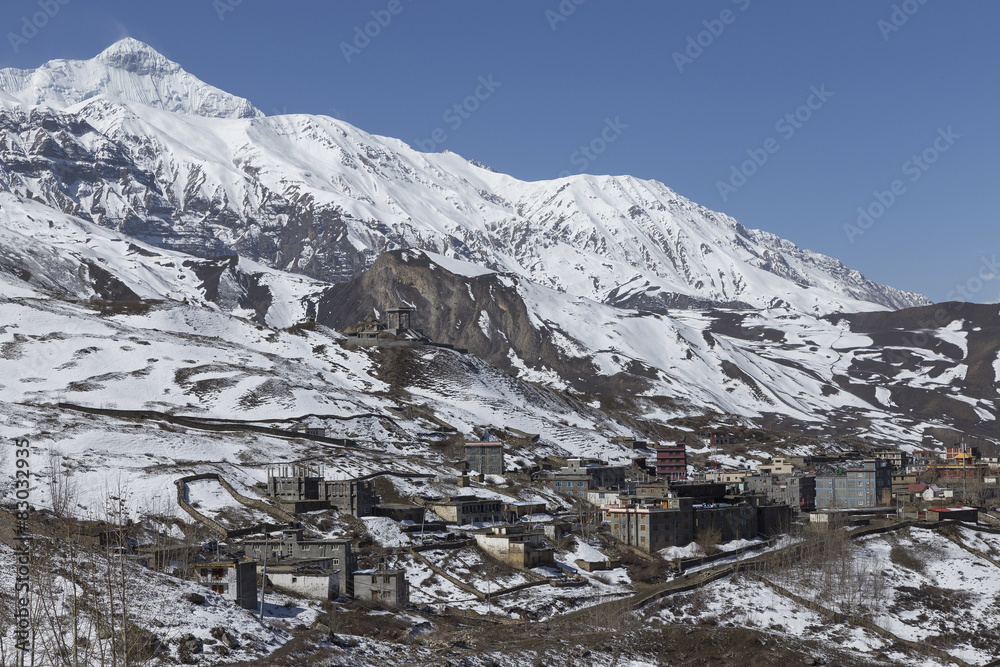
pixel 310 581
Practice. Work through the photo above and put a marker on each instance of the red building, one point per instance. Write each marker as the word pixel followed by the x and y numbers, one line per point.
pixel 962 454
pixel 671 462
pixel 975 471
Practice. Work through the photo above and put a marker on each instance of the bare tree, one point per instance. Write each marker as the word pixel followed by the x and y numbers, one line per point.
pixel 62 486
pixel 589 517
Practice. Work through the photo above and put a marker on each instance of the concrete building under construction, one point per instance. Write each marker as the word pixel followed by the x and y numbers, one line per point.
pixel 298 488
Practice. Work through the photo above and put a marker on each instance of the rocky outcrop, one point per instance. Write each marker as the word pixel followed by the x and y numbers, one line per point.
pixel 449 310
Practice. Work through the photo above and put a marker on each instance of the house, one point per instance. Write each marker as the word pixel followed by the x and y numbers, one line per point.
pixel 725 522
pixel 300 489
pixel 602 497
pixel 933 491
pixel 601 474
pixel 897 459
pixel 516 546
pixel 671 462
pixel 727 476
pixel 652 527
pixel 929 492
pixel 965 514
pixel 336 555
pixel 516 509
pixel 629 442
pixel 579 476
pixel 866 485
pixel 397 330
pixel 315 429
pixel 642 465
pixel 556 530
pixel 652 491
pixel 486 457
pixel 573 485
pixel 718 437
pixel 234 580
pixel 922 458
pixel 704 491
pixel 777 466
pixel 463 510
pixel 310 580
pixel 796 491
pixel 385 586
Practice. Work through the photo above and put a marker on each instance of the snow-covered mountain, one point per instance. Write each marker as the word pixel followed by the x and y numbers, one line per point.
pixel 127 71
pixel 133 142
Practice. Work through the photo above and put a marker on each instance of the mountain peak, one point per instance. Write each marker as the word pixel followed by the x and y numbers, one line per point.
pixel 137 57
pixel 127 71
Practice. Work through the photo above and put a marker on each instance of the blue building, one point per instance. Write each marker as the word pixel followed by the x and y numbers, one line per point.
pixel 866 485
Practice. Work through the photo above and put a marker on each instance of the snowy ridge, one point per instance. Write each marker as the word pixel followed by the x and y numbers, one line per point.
pixel 315 195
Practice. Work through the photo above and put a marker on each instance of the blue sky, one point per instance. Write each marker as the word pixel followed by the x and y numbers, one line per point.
pixel 829 102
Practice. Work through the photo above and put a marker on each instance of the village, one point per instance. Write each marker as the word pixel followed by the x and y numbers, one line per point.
pixel 492 531
pixel 650 506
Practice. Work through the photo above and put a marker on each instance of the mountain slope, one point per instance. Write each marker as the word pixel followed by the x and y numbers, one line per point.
pixel 898 377
pixel 317 196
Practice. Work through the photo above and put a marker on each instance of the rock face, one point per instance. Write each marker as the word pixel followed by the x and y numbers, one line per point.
pixel 132 142
pixel 448 309
pixel 920 365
